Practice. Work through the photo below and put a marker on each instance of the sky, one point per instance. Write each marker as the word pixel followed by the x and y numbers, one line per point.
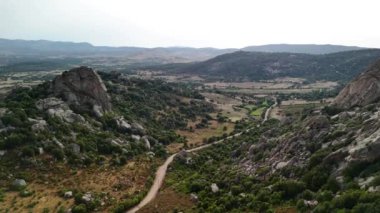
pixel 193 23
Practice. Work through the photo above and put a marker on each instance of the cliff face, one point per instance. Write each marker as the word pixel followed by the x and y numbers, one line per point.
pixel 363 90
pixel 83 88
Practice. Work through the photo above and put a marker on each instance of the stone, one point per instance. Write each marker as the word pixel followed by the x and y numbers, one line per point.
pixel 138 129
pixel 122 124
pixel 281 165
pixel 136 137
pixel 58 143
pixel 55 107
pixel 82 87
pixel 3 111
pixel 18 184
pixel 87 197
pixel 38 124
pixel 68 194
pixel 214 188
pixel 146 142
pixel 374 189
pixel 310 203
pixel 2 152
pixel 40 150
pixel 363 90
pixel 194 198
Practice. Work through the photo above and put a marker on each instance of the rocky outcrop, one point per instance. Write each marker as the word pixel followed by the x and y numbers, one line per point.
pixel 363 90
pixel 57 108
pixel 83 88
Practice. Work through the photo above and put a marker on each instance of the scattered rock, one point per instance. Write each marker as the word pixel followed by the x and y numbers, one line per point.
pixel 138 129
pixel 194 198
pixel 310 203
pixel 374 189
pixel 281 165
pixel 364 182
pixel 146 141
pixel 58 143
pixel 57 108
pixel 40 150
pixel 18 184
pixel 87 197
pixel 214 188
pixel 122 124
pixel 68 194
pixel 38 124
pixel 136 137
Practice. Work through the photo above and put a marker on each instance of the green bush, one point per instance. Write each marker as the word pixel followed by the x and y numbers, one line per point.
pixel 347 200
pixel 81 208
pixel 289 188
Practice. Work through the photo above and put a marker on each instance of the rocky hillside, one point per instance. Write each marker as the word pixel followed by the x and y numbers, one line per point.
pixel 326 160
pixel 363 90
pixel 83 122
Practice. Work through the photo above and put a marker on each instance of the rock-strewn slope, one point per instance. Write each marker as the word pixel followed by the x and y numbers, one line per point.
pixel 83 88
pixel 363 90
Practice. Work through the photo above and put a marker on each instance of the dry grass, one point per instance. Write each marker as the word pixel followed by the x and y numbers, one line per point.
pixel 196 137
pixel 116 182
pixel 226 105
pixel 167 200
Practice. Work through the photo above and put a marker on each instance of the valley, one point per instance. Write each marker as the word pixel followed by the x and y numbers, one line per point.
pixel 143 140
pixel 232 111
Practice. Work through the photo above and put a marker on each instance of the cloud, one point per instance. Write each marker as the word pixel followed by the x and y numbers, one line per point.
pixel 217 23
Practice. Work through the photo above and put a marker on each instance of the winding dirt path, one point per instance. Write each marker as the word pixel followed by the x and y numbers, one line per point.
pixel 161 171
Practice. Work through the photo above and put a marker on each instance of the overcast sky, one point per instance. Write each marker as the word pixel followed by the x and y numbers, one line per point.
pixel 196 23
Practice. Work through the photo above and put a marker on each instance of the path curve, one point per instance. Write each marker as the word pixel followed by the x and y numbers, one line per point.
pixel 161 171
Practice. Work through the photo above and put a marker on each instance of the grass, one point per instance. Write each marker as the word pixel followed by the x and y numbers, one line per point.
pixel 258 112
pixel 250 107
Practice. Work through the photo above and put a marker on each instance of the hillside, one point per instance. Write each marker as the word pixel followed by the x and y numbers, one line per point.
pixel 27 55
pixel 93 137
pixel 242 65
pixel 363 90
pixel 326 160
pixel 301 48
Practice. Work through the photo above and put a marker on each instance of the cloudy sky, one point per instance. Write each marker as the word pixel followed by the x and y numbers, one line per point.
pixel 196 23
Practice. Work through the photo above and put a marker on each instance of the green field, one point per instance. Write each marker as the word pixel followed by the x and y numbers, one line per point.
pixel 258 112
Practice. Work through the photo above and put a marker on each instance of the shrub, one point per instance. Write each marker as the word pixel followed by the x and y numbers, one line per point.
pixel 81 208
pixel 347 200
pixel 289 188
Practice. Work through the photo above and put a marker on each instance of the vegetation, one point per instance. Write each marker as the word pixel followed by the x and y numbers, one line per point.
pixel 241 65
pixel 308 188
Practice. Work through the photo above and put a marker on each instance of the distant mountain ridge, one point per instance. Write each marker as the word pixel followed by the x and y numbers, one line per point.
pixel 44 48
pixel 178 54
pixel 301 48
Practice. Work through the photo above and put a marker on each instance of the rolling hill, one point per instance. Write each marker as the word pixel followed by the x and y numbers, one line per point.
pixel 244 65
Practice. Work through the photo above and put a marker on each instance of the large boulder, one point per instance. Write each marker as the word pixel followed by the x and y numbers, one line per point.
pixel 18 184
pixel 83 88
pixel 55 107
pixel 363 90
